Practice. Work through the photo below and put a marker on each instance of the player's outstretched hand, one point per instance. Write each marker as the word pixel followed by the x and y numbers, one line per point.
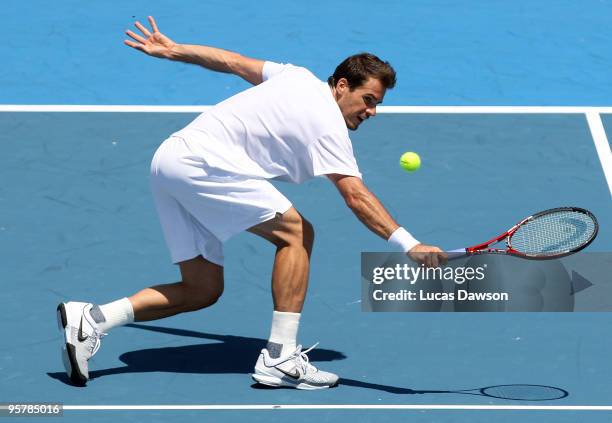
pixel 152 43
pixel 428 255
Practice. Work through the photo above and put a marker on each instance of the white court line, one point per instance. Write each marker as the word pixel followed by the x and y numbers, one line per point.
pixel 339 407
pixel 493 109
pixel 96 108
pixel 601 145
pixel 380 109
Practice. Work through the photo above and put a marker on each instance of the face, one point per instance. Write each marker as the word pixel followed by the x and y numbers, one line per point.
pixel 359 104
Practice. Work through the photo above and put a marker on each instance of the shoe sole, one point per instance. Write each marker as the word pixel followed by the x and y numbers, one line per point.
pixel 68 350
pixel 279 383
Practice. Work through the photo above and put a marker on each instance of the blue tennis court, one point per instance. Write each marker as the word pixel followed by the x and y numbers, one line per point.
pixel 77 220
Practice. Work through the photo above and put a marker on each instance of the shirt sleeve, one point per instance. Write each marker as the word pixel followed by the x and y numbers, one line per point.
pixel 271 69
pixel 333 153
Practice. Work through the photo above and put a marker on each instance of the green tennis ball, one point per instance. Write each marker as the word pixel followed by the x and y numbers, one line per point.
pixel 410 161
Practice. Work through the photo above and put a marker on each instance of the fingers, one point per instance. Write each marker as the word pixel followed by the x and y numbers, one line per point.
pixel 432 260
pixel 153 24
pixel 132 44
pixel 426 259
pixel 437 258
pixel 428 256
pixel 142 29
pixel 135 36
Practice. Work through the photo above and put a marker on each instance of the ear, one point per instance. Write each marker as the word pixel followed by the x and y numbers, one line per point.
pixel 342 86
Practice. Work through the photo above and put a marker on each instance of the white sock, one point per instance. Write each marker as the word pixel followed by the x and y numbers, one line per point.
pixel 111 315
pixel 283 335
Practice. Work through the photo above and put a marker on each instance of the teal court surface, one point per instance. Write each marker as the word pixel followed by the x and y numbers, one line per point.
pixel 81 225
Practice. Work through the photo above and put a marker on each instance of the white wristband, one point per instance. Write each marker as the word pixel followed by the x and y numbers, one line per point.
pixel 402 239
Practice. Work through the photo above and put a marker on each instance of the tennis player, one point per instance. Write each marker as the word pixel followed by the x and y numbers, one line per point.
pixel 210 181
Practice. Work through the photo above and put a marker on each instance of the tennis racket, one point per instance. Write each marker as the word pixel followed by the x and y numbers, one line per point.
pixel 545 235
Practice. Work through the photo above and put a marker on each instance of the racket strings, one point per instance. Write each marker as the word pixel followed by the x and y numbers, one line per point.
pixel 554 233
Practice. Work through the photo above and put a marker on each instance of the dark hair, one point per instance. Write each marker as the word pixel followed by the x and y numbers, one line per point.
pixel 359 67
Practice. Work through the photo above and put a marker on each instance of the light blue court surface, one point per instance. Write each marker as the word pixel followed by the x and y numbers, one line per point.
pixel 547 52
pixel 77 220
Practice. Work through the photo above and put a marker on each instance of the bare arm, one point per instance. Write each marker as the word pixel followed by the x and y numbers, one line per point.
pixel 370 211
pixel 157 44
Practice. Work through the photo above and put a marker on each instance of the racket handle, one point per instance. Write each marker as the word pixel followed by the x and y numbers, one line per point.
pixel 458 253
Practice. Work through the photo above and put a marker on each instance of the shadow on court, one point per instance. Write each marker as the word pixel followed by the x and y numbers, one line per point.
pixel 227 356
pixel 513 392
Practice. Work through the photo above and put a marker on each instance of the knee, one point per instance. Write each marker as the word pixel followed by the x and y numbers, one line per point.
pixel 202 283
pixel 201 294
pixel 299 232
pixel 287 229
pixel 308 234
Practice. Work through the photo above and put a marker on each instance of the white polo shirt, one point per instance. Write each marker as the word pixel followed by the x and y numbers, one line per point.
pixel 289 128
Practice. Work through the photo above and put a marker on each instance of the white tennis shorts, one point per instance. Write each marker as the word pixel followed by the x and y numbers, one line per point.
pixel 200 207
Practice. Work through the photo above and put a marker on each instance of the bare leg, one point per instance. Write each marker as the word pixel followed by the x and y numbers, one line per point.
pixel 293 236
pixel 201 286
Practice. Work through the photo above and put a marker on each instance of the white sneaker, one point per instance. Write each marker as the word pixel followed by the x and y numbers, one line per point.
pixel 293 371
pixel 81 339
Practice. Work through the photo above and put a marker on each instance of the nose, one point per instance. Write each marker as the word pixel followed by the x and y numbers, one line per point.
pixel 371 111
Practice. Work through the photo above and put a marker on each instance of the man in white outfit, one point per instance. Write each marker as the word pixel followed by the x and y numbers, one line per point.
pixel 210 182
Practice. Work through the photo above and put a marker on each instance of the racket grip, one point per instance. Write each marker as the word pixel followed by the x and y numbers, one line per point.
pixel 459 252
